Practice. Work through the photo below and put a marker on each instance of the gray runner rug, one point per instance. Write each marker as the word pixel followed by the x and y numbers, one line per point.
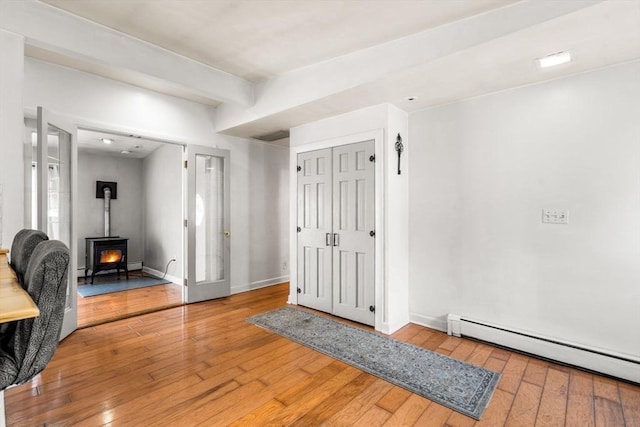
pixel 458 385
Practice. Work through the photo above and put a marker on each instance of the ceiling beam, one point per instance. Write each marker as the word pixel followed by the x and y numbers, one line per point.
pixel 307 85
pixel 52 29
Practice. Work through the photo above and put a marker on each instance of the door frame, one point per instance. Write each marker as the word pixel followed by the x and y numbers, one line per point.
pixel 44 118
pixel 381 293
pixel 30 113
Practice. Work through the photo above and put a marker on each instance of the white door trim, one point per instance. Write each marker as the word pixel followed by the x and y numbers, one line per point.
pixel 44 119
pixel 377 136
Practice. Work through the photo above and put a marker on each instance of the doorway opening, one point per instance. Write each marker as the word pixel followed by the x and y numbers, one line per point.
pixel 145 210
pixel 145 215
pixel 155 220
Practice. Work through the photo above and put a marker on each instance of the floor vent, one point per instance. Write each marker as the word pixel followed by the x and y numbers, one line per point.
pixel 618 365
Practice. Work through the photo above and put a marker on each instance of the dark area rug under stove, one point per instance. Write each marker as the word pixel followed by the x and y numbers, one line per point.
pixel 458 385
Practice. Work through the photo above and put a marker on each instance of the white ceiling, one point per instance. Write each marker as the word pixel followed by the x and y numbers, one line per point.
pixel 257 39
pixel 284 42
pixel 129 146
pixel 92 141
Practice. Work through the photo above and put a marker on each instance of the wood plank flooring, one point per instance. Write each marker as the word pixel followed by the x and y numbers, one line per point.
pixel 102 308
pixel 203 364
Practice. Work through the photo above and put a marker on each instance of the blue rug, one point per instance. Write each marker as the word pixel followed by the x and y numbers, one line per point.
pixel 89 290
pixel 463 387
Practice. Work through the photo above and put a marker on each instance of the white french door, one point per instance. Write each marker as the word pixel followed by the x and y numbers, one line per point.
pixel 208 232
pixel 336 235
pixel 56 196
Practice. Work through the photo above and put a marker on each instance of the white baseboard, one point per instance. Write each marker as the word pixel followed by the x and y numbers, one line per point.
pixel 384 328
pixel 173 279
pixel 259 284
pixel 429 322
pixel 136 265
pixel 389 328
pixel 595 359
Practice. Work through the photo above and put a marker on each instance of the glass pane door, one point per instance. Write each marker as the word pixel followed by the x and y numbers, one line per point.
pixel 209 218
pixel 58 218
pixel 208 231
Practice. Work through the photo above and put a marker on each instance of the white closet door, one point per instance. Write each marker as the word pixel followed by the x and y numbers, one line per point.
pixel 353 229
pixel 315 230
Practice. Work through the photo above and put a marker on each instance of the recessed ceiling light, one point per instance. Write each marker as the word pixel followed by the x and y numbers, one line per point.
pixel 554 59
pixel 106 140
pixel 125 152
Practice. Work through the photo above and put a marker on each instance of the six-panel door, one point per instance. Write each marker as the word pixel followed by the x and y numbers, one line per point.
pixel 353 224
pixel 336 243
pixel 315 230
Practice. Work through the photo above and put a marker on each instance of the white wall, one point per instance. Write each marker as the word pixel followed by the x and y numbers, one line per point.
pixel 126 210
pixel 482 170
pixel 259 215
pixel 97 102
pixel 12 131
pixel 267 170
pixel 162 206
pixel 396 206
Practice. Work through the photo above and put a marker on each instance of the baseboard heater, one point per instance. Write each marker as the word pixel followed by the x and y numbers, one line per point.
pixel 598 360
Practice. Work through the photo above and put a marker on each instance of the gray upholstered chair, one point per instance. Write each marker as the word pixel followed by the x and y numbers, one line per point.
pixel 21 249
pixel 34 341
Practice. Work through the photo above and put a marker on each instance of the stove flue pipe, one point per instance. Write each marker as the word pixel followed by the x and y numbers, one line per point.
pixel 107 211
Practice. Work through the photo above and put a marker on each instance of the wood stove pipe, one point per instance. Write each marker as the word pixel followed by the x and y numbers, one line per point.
pixel 107 211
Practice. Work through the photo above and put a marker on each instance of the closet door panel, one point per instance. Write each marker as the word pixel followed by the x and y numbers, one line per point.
pixel 314 237
pixel 354 220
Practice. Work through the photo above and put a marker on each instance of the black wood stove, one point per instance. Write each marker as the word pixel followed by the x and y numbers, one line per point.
pixel 108 252
pixel 105 253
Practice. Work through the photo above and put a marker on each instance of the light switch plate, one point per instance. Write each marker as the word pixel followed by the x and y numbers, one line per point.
pixel 555 216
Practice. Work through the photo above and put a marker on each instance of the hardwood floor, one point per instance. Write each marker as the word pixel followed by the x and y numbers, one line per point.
pixel 203 364
pixel 103 308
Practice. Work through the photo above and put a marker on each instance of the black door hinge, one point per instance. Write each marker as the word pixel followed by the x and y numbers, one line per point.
pixel 372 158
pixel 372 233
pixel 372 308
pixel 298 229
pixel 299 290
pixel 299 168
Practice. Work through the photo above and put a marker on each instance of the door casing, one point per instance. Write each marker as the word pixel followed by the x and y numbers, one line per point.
pixel 46 118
